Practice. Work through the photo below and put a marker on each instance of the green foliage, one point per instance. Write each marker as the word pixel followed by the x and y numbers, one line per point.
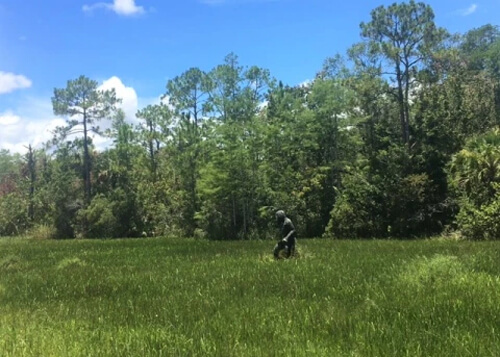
pixel 475 177
pixel 109 216
pixel 450 113
pixel 480 223
pixel 9 164
pixel 481 47
pixel 476 168
pixel 361 151
pixel 382 197
pixel 42 232
pixel 402 35
pixel 229 183
pixel 61 195
pixel 153 131
pixel 81 98
pixel 357 212
pixel 158 211
pixel 13 201
pixel 187 93
pixel 13 214
pixel 98 219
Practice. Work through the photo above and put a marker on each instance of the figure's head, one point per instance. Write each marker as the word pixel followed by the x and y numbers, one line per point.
pixel 280 216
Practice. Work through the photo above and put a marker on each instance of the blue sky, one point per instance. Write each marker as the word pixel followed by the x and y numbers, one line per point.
pixel 136 46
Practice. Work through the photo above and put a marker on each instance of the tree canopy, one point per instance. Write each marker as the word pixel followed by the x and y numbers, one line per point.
pixel 396 138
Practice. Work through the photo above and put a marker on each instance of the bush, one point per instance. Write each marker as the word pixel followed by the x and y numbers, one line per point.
pixel 480 223
pixel 42 231
pixel 98 219
pixel 13 215
pixel 356 213
pixel 475 179
pixel 380 207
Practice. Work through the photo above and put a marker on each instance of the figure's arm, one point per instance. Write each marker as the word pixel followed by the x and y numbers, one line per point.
pixel 289 235
pixel 291 231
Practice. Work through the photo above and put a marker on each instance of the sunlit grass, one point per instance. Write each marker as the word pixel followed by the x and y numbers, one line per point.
pixel 168 297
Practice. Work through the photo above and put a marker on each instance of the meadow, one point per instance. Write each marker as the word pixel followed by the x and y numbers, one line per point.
pixel 185 297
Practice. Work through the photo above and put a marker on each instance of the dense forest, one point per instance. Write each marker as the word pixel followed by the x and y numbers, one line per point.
pixel 398 137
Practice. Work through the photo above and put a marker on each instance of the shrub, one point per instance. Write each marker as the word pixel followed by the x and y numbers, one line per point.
pixel 13 215
pixel 98 219
pixel 356 213
pixel 480 223
pixel 42 231
pixel 475 179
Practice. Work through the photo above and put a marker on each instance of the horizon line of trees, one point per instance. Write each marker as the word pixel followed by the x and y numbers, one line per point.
pixel 399 137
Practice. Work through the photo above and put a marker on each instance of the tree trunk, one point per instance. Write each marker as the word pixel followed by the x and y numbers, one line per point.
pixel 32 174
pixel 401 104
pixel 234 214
pixel 245 218
pixel 407 102
pixel 152 152
pixel 86 162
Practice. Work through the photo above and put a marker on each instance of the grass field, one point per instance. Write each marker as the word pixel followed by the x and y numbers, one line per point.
pixel 169 297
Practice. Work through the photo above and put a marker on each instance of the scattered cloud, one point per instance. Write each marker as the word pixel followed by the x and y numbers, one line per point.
pixel 306 84
pixel 160 99
pixel 128 96
pixel 468 11
pixel 120 7
pixel 33 121
pixel 8 118
pixel 17 132
pixel 129 105
pixel 10 82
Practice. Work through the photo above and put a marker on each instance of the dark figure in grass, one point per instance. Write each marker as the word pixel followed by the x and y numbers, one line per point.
pixel 286 246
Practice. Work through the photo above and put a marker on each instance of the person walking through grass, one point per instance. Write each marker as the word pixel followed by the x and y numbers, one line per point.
pixel 286 246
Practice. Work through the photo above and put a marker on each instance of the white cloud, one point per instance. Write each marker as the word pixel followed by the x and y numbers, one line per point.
pixel 16 132
pixel 306 84
pixel 9 82
pixel 129 105
pixel 121 7
pixel 8 119
pixel 128 96
pixel 468 11
pixel 33 122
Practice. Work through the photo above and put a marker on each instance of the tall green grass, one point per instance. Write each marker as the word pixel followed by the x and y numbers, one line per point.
pixel 170 297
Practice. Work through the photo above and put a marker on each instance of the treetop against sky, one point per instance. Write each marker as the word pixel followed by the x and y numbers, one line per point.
pixel 136 46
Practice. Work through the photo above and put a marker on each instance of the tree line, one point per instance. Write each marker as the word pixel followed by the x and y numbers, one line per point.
pixel 398 137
